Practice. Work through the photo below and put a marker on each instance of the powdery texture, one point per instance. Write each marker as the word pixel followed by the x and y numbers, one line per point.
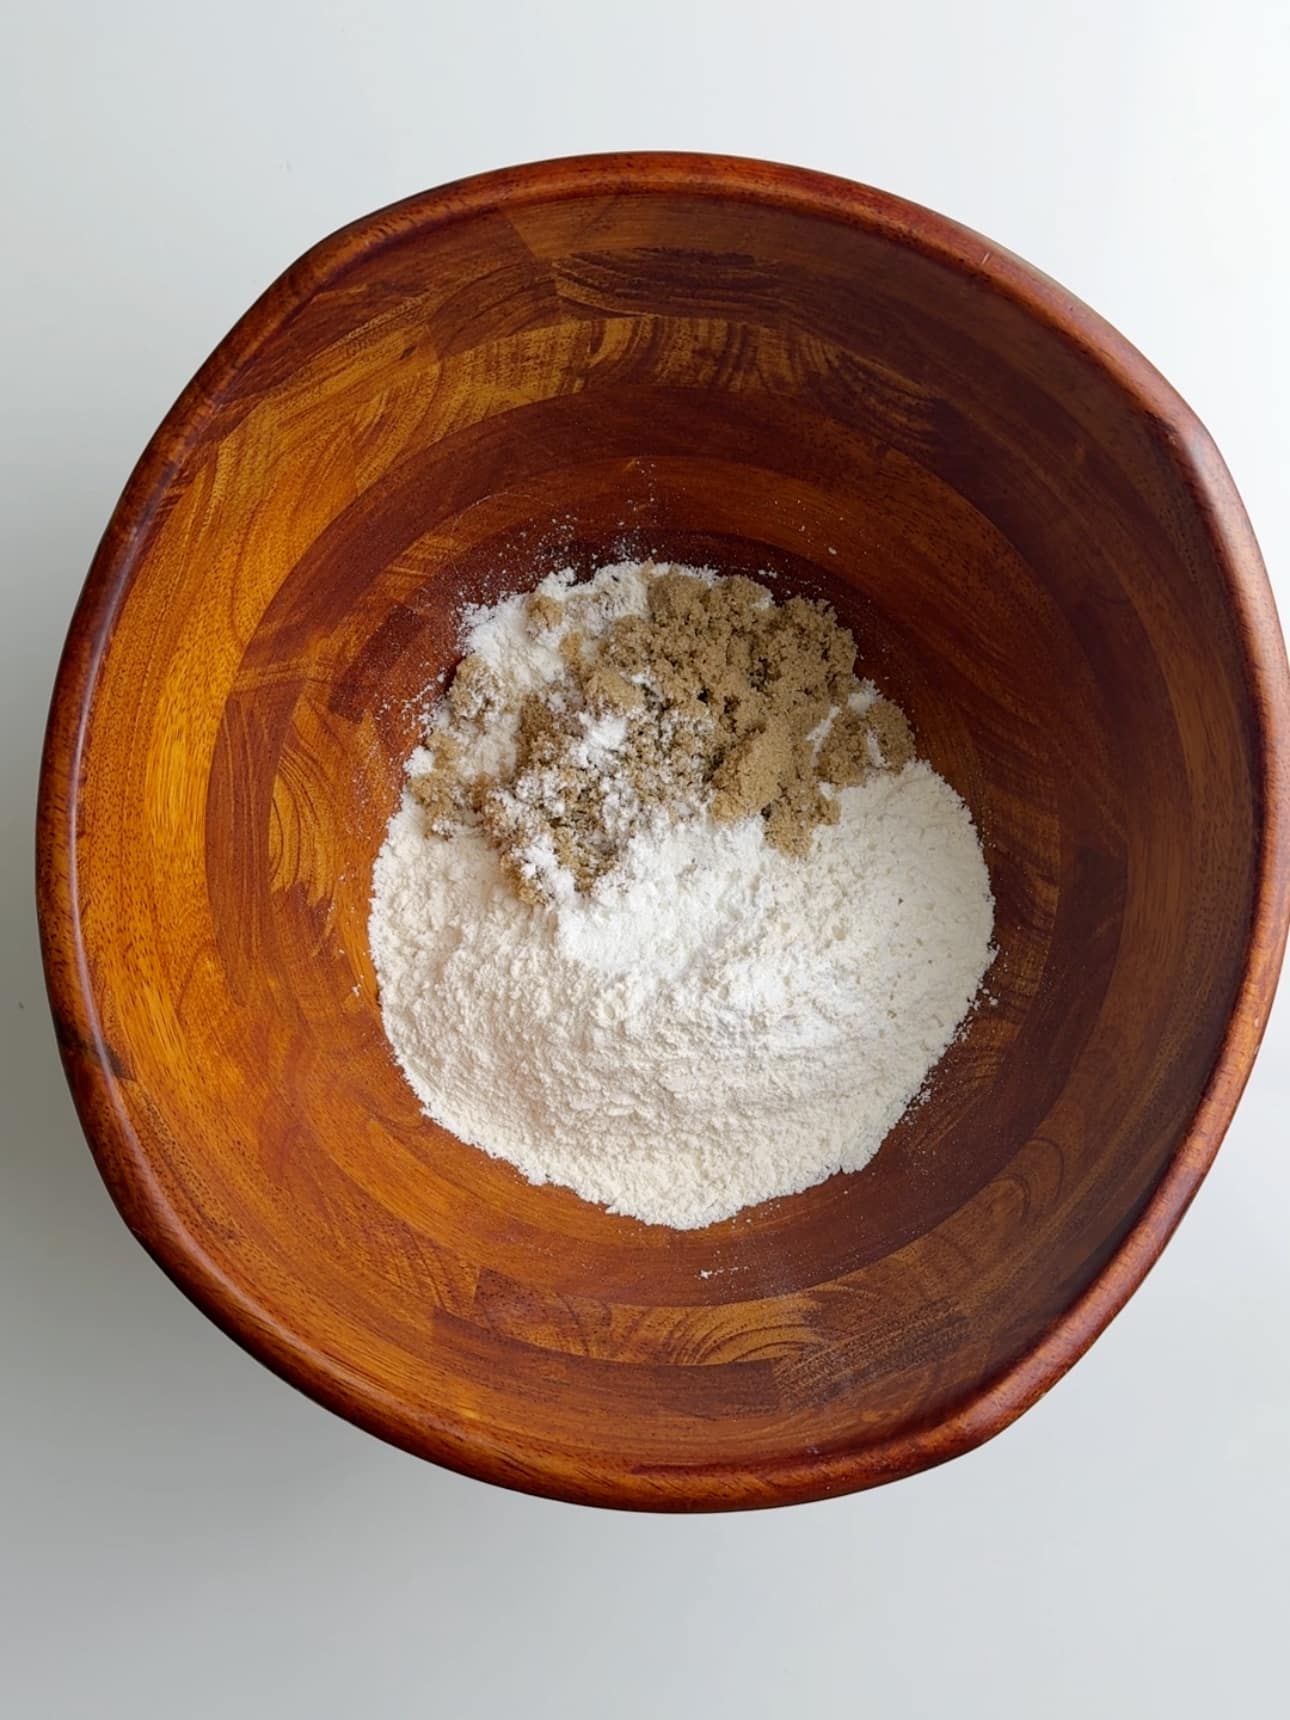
pixel 718 1024
pixel 648 694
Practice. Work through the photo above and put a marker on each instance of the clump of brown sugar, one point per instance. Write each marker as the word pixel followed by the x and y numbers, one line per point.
pixel 877 738
pixel 715 698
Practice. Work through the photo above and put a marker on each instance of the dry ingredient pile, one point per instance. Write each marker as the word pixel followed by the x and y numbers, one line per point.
pixel 671 913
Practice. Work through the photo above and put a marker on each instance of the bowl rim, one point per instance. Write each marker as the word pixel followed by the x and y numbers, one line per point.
pixel 123 1158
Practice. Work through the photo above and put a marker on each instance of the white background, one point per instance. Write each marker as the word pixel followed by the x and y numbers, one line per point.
pixel 182 1536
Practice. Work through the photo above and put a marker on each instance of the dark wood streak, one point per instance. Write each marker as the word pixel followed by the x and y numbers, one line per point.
pixel 1046 563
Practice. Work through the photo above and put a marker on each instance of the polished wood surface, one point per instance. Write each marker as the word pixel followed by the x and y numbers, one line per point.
pixel 1045 563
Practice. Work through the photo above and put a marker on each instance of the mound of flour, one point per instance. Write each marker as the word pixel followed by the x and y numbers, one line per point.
pixel 717 1024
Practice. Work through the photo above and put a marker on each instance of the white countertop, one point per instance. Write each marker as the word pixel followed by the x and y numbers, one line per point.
pixel 182 1537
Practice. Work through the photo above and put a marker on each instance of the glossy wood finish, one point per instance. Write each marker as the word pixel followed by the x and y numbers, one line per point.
pixel 1045 562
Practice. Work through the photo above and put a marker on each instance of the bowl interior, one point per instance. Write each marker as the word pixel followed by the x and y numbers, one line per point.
pixel 439 407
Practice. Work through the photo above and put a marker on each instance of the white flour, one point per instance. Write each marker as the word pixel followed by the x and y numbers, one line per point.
pixel 718 1024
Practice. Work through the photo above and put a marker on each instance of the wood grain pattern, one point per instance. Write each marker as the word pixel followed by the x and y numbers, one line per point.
pixel 1047 565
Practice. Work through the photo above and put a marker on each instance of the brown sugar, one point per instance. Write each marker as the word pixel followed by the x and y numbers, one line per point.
pixel 844 758
pixel 473 689
pixel 890 728
pixel 754 772
pixel 543 612
pixel 717 698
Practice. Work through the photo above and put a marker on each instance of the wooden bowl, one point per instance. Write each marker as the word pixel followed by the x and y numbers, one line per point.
pixel 1045 562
